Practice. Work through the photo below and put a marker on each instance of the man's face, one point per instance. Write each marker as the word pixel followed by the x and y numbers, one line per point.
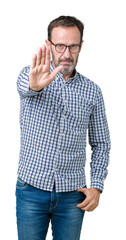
pixel 67 36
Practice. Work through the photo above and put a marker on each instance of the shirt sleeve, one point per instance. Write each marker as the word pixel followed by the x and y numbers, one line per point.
pixel 99 139
pixel 23 84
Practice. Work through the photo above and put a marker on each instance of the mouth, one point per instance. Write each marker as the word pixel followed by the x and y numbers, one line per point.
pixel 66 62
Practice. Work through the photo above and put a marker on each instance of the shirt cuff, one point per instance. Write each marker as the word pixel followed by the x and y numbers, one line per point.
pixel 34 92
pixel 98 184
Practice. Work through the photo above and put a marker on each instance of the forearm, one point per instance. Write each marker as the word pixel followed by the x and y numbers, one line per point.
pixel 99 164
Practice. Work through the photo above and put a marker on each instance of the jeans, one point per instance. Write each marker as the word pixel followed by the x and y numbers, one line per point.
pixel 35 208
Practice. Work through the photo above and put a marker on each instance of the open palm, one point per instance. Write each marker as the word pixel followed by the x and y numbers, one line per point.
pixel 39 75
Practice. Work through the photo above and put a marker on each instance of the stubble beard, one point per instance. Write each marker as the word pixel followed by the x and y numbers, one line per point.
pixel 65 71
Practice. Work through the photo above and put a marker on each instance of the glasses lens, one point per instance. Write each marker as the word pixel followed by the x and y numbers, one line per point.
pixel 74 48
pixel 60 48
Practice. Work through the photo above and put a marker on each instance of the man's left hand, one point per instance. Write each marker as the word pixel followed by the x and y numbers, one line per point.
pixel 92 199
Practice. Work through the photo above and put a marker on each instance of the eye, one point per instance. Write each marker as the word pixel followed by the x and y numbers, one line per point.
pixel 60 45
pixel 73 46
pixel 60 48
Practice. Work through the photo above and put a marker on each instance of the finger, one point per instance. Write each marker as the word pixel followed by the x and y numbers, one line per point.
pixel 47 59
pixel 84 190
pixel 56 71
pixel 43 54
pixel 89 207
pixel 50 78
pixel 39 56
pixel 84 203
pixel 33 62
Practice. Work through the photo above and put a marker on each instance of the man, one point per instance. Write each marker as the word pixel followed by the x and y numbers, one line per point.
pixel 58 106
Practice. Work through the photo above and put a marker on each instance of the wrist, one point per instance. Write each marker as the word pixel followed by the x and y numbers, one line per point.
pixel 97 190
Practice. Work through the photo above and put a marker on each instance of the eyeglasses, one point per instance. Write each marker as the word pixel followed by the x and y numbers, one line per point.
pixel 61 48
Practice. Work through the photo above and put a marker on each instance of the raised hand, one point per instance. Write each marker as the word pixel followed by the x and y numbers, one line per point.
pixel 39 75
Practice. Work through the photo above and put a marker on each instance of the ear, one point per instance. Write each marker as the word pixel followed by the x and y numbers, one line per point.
pixel 81 44
pixel 47 42
pixel 48 45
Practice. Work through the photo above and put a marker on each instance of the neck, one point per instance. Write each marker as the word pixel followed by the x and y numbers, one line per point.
pixel 70 75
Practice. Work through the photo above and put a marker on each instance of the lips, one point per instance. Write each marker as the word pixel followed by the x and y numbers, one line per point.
pixel 65 62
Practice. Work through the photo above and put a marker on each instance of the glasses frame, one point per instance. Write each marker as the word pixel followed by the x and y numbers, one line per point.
pixel 66 46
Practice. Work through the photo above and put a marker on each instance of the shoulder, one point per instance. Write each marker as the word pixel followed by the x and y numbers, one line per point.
pixel 23 77
pixel 25 69
pixel 88 83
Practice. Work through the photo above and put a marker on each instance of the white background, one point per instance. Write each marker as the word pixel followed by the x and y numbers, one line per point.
pixel 23 28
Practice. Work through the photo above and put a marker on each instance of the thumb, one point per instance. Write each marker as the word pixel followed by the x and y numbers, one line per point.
pixel 49 78
pixel 56 71
pixel 84 190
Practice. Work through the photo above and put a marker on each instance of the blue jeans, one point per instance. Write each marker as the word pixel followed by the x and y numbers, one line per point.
pixel 35 208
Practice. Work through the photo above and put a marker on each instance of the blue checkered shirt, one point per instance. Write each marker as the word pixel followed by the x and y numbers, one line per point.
pixel 54 124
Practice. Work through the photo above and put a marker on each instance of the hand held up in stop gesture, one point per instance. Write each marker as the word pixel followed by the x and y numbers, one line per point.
pixel 39 75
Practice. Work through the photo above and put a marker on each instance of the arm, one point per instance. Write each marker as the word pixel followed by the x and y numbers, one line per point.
pixel 99 140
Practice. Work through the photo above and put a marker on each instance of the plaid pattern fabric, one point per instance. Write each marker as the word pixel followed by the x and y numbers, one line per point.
pixel 54 124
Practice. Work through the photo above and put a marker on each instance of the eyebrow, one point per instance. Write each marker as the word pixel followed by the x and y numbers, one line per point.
pixel 67 45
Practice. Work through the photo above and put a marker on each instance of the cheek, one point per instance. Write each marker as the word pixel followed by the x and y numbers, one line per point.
pixel 76 58
pixel 57 58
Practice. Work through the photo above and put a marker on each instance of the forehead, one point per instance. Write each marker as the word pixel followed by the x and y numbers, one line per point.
pixel 66 35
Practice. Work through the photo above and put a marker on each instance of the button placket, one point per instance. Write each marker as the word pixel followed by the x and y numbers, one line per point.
pixel 61 133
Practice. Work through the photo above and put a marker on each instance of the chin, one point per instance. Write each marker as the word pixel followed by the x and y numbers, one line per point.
pixel 67 71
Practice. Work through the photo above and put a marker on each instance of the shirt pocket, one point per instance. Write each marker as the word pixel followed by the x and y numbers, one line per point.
pixel 79 111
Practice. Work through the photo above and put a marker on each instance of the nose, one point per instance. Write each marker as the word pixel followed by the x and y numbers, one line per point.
pixel 67 53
